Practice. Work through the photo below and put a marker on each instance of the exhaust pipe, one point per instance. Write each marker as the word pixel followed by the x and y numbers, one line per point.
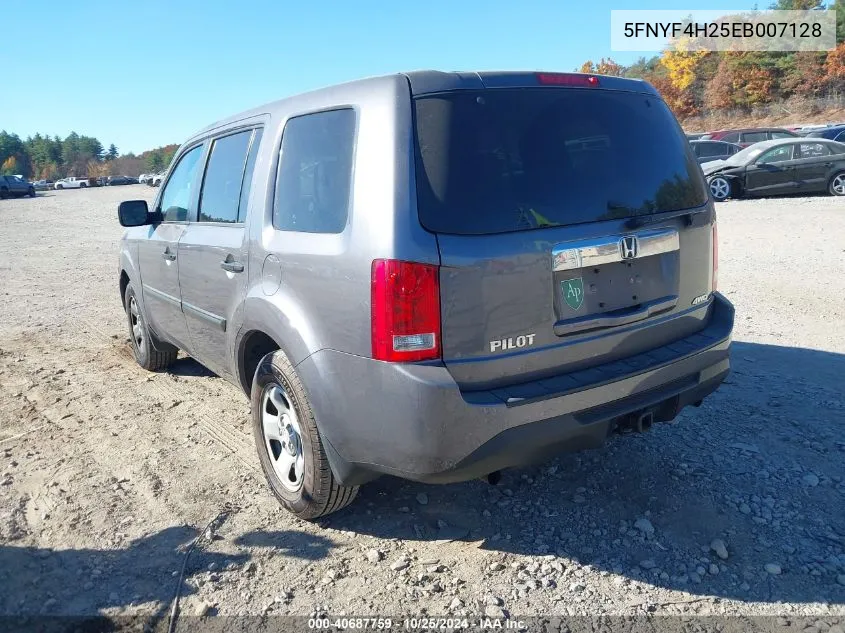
pixel 644 422
pixel 494 477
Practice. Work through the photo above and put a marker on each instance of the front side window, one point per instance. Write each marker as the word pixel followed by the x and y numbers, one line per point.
pixel 221 186
pixel 776 155
pixel 176 196
pixel 315 172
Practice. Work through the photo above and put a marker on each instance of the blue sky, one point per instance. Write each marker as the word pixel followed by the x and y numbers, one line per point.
pixel 144 74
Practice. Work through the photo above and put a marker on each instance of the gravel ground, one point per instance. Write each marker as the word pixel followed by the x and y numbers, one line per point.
pixel 107 472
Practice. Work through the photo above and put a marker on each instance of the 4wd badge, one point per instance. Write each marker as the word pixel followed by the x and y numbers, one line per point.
pixel 573 292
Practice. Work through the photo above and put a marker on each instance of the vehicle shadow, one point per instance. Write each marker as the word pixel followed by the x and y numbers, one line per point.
pixel 45 581
pixel 187 366
pixel 289 543
pixel 759 466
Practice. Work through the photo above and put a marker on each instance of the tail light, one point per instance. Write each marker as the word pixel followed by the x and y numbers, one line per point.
pixel 715 256
pixel 405 311
pixel 567 79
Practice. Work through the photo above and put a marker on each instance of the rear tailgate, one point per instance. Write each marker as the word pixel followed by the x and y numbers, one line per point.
pixel 560 218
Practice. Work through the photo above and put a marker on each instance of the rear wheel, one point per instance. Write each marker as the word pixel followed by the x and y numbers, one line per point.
pixel 32 192
pixel 289 446
pixel 150 353
pixel 4 193
pixel 837 184
pixel 82 185
pixel 720 188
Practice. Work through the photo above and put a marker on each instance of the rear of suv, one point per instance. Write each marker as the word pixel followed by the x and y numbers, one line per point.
pixel 435 275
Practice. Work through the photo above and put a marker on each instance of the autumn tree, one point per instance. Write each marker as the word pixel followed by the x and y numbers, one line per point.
pixel 834 67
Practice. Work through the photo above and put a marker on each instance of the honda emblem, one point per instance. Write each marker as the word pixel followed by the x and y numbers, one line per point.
pixel 629 247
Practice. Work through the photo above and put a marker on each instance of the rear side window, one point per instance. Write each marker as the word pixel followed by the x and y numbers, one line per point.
pixel 507 160
pixel 315 172
pixel 754 137
pixel 706 150
pixel 731 137
pixel 221 186
pixel 248 173
pixel 781 135
pixel 812 150
pixel 177 194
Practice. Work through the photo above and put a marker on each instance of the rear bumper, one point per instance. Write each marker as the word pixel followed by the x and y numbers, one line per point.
pixel 414 422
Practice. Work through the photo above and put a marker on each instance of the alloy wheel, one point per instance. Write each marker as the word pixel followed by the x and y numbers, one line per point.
pixel 283 437
pixel 720 188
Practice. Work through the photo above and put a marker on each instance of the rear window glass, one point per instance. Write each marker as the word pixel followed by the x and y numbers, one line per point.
pixel 507 160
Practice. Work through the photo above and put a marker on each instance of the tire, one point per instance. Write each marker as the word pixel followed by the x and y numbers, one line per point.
pixel 292 446
pixel 82 185
pixel 59 187
pixel 31 192
pixel 150 353
pixel 4 193
pixel 720 188
pixel 836 186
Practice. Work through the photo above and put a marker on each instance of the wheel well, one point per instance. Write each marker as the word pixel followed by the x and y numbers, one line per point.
pixel 255 346
pixel 124 282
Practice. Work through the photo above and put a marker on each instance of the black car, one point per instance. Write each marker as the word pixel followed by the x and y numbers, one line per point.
pixel 15 187
pixel 834 133
pixel 121 180
pixel 779 167
pixel 706 151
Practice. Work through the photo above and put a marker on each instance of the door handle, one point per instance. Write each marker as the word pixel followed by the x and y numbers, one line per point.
pixel 232 266
pixel 168 255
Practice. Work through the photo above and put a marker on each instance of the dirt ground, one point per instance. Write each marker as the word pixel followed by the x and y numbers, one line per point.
pixel 108 472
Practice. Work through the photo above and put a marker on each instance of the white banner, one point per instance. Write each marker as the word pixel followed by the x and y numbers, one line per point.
pixel 722 30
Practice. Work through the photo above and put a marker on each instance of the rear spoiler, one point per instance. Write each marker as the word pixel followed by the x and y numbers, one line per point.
pixel 432 81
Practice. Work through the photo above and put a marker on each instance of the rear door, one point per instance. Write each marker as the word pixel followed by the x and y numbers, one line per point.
pixel 158 253
pixel 812 165
pixel 552 258
pixel 212 251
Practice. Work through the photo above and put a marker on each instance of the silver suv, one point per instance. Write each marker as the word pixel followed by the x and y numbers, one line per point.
pixel 434 275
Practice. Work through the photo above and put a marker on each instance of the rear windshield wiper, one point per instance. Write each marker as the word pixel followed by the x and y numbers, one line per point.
pixel 653 218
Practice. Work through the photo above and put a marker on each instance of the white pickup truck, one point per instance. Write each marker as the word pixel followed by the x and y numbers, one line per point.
pixel 71 183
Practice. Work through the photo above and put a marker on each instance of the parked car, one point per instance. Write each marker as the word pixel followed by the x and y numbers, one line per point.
pixel 72 182
pixel 121 180
pixel 145 178
pixel 155 181
pixel 42 185
pixel 706 151
pixel 833 133
pixel 749 136
pixel 434 275
pixel 15 187
pixel 780 167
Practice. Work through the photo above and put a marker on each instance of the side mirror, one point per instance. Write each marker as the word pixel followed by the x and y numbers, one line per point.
pixel 134 213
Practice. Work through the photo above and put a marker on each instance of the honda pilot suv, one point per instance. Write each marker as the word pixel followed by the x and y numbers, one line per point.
pixel 434 275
